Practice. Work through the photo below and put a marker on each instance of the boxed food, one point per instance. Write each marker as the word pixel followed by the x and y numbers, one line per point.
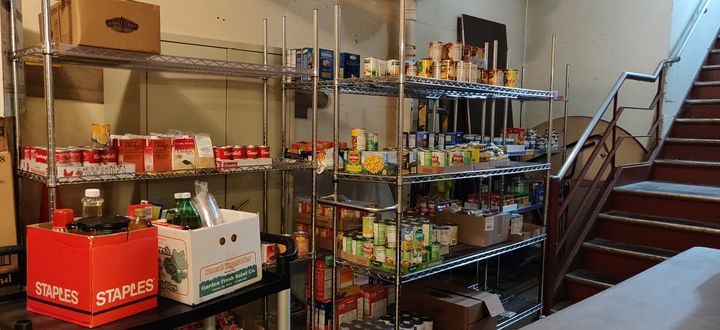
pixel 528 231
pixel 113 276
pixel 477 230
pixel 375 300
pixel 379 162
pixel 119 24
pixel 201 264
pixel 183 153
pixel 453 310
pixel 131 150
pixel 204 155
pixel 349 65
pixel 325 71
pixel 158 154
pixel 371 67
pixel 323 279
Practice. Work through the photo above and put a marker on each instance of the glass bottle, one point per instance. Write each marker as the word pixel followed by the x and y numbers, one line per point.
pixel 187 216
pixel 92 203
pixel 139 221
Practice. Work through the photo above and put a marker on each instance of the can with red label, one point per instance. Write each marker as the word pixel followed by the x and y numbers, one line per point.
pixel 263 152
pixel 28 153
pixel 90 156
pixel 62 156
pixel 41 155
pixel 239 152
pixel 108 156
pixel 74 156
pixel 253 152
pixel 223 153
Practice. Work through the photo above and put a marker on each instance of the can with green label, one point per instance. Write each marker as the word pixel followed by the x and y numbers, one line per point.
pixel 379 232
pixel 353 163
pixel 435 251
pixel 372 141
pixel 367 226
pixel 390 256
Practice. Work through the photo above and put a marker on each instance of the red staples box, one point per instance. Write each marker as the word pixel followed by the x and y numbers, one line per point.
pixel 91 280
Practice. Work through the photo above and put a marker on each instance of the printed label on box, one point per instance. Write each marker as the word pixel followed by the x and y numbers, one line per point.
pixel 225 274
pixel 489 223
pixel 172 257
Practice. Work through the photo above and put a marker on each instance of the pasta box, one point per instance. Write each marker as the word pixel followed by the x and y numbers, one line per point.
pixel 201 264
pixel 113 276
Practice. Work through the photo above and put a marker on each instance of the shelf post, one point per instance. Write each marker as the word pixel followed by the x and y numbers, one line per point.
pixel 522 102
pixel 549 247
pixel 283 130
pixel 47 51
pixel 266 225
pixel 336 150
pixel 565 111
pixel 313 212
pixel 398 140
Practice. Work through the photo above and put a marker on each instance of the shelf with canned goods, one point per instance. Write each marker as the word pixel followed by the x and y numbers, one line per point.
pixel 116 173
pixel 124 59
pixel 459 255
pixel 422 87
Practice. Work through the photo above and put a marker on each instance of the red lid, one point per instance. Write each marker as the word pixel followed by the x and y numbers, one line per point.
pixel 62 217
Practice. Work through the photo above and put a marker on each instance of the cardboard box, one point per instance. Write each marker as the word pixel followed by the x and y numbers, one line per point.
pixel 118 24
pixel 344 224
pixel 132 151
pixel 529 230
pixel 451 310
pixel 8 230
pixel 113 276
pixel 325 71
pixel 158 154
pixel 323 279
pixel 375 300
pixel 183 153
pixel 201 264
pixel 70 173
pixel 478 231
pixel 349 65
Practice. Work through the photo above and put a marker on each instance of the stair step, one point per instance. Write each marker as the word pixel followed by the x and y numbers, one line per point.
pixel 715 51
pixel 687 171
pixel 668 199
pixel 710 71
pixel 699 111
pixel 696 128
pixel 702 101
pixel 711 67
pixel 629 250
pixel 709 142
pixel 591 278
pixel 707 83
pixel 662 222
pixel 619 260
pixel 674 190
pixel 691 149
pixel 559 306
pixel 698 120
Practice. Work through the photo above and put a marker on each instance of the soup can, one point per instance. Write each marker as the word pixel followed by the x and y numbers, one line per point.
pixel 391 235
pixel 252 152
pixel 379 232
pixel 222 153
pixel 393 68
pixel 367 226
pixel 443 235
pixel 238 152
pixel 406 237
pixel 368 248
pixel 302 240
pixel 108 156
pixel 358 139
pixel 411 68
pixel 424 68
pixel 263 152
pixel 511 77
pixel 453 233
pixel 435 50
pixel 437 70
pixel 460 71
pixel 371 143
pixel 390 254
pixel 90 156
pixel 453 51
pixel 435 251
pixel 379 252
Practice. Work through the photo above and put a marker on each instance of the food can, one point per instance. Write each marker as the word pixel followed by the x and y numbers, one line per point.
pixel 441 141
pixel 100 134
pixel 62 156
pixel 347 244
pixel 382 68
pixel 302 241
pixel 406 237
pixel 472 72
pixel 391 235
pixel 438 158
pixel 448 70
pixel 461 73
pixel 41 155
pixel 453 51
pixel 356 248
pixel 90 156
pixel 432 140
pixel 29 153
pixel 435 50
pixel 222 153
pixel 453 233
pixel 379 232
pixel 263 152
pixel 358 139
pixel 435 251
pixel 379 251
pixel 367 226
pixel 443 235
pixel 427 232
pixel 424 68
pixel 405 140
pixel 393 68
pixel 370 67
pixel 107 156
pixel 436 70
pixel 411 68
pixel 406 258
pixel 412 140
pixel 238 152
pixel 422 140
pixel 511 77
pixel 353 164
pixel 372 141
pixel 425 157
pixel 74 156
pixel 493 77
pixel 457 157
pixel 368 248
pixel 418 236
pixel 252 152
pixel 390 255
pixel 425 254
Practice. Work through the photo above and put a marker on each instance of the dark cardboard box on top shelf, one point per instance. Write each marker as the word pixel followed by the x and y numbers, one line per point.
pixel 344 223
pixel 475 230
pixel 452 307
pixel 529 230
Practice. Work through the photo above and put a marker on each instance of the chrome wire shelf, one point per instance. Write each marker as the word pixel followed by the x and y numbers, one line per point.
pixel 122 59
pixel 278 164
pixel 521 308
pixel 512 168
pixel 419 87
pixel 459 255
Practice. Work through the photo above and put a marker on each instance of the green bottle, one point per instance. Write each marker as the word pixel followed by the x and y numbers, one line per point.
pixel 186 216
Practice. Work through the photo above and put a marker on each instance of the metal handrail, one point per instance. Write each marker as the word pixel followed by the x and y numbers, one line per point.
pixel 627 75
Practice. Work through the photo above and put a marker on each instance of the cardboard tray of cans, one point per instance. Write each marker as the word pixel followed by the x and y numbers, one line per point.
pixel 366 262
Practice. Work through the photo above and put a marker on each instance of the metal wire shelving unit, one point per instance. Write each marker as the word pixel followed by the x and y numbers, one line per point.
pixel 48 54
pixel 403 87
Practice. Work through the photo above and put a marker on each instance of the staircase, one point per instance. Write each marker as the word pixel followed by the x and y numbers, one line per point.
pixel 677 207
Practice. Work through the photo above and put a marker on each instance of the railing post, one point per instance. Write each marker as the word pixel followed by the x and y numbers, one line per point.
pixel 659 107
pixel 550 273
pixel 613 127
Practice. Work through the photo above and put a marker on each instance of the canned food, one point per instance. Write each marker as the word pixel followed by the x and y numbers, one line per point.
pixel 358 139
pixel 90 156
pixel 74 156
pixel 422 140
pixel 425 158
pixel 107 156
pixel 263 152
pixel 391 236
pixel 372 141
pixel 302 241
pixel 511 77
pixel 379 251
pixel 471 70
pixel 406 258
pixel 371 67
pixel 368 248
pixel 443 235
pixel 411 68
pixel 406 237
pixel 367 226
pixel 461 71
pixel 425 254
pixel 379 232
pixel 100 134
pixel 357 246
pixel 412 140
pixel 252 152
pixel 353 164
pixel 418 237
pixel 493 77
pixel 435 251
pixel 347 244
pixel 427 233
pixel 432 140
pixel 390 255
pixel 222 153
pixel 453 51
pixel 238 152
pixel 453 233
pixel 435 50
pixel 424 68
pixel 436 70
pixel 438 158
pixel 393 68
pixel 441 141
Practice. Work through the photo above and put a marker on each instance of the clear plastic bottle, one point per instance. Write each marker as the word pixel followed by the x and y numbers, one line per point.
pixel 92 203
pixel 139 220
pixel 187 216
